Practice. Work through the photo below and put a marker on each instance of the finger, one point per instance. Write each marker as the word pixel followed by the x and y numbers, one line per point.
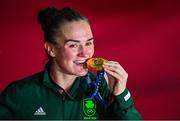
pixel 115 64
pixel 110 62
pixel 113 74
pixel 117 71
pixel 114 69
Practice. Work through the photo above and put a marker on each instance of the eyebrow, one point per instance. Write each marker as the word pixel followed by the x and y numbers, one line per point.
pixel 71 40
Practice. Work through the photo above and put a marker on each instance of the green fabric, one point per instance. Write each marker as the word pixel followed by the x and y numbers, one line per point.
pixel 37 97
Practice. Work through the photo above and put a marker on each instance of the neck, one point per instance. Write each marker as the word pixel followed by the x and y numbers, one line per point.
pixel 62 79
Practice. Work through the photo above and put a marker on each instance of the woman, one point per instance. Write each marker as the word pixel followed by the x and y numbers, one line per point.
pixel 63 90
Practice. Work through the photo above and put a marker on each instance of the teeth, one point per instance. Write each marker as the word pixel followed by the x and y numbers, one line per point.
pixel 79 62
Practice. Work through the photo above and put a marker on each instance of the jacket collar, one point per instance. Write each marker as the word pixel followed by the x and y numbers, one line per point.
pixel 77 88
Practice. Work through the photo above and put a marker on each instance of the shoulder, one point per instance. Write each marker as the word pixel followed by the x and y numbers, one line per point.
pixel 25 83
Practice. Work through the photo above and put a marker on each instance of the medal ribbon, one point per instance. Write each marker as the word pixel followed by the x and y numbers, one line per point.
pixel 96 94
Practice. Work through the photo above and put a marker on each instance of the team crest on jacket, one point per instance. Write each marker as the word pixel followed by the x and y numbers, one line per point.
pixel 89 107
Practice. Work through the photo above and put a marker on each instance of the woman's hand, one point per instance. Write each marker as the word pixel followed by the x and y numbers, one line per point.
pixel 117 77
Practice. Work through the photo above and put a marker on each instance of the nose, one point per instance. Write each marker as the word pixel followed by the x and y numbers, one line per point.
pixel 83 51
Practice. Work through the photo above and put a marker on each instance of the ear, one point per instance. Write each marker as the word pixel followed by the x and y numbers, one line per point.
pixel 49 49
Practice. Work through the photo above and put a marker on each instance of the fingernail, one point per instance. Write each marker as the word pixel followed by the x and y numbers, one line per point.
pixel 105 63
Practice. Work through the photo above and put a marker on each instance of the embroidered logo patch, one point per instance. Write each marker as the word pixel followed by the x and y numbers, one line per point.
pixel 89 108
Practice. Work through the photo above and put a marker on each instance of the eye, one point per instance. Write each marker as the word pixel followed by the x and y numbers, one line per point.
pixel 89 43
pixel 73 45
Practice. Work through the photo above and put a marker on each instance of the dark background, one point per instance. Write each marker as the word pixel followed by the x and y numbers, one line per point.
pixel 143 35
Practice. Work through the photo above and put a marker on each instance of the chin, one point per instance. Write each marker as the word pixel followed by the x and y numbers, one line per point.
pixel 82 73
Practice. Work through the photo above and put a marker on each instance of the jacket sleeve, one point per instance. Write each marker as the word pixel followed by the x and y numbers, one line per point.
pixel 7 98
pixel 123 108
pixel 5 112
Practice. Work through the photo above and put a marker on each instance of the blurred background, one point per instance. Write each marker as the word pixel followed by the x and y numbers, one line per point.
pixel 143 35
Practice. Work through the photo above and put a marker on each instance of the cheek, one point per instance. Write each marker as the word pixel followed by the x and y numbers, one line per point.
pixel 69 54
pixel 91 51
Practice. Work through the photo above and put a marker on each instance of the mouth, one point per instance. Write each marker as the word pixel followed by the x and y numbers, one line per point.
pixel 80 62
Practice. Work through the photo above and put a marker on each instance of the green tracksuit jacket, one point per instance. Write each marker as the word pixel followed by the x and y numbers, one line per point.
pixel 37 97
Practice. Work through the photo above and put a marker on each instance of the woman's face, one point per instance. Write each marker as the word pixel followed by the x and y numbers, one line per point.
pixel 74 47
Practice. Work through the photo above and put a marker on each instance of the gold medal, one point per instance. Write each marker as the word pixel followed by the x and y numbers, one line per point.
pixel 95 63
